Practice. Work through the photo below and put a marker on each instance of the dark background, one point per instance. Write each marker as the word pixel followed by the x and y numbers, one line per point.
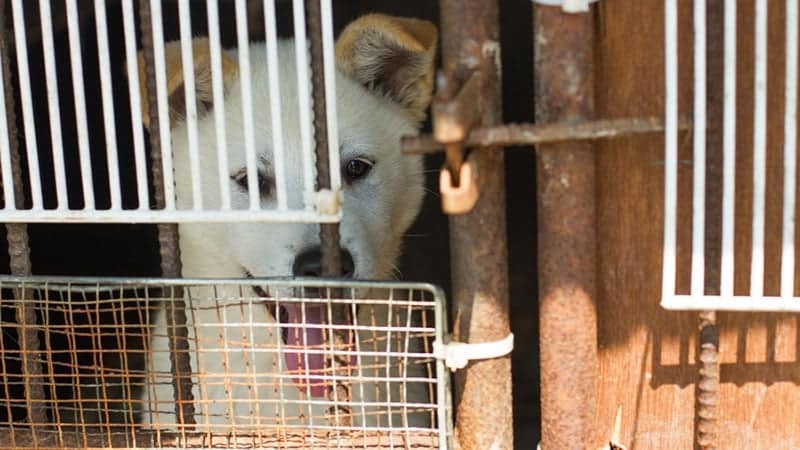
pixel 131 250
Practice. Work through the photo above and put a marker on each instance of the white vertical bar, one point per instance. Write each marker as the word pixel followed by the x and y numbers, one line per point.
pixel 670 147
pixel 388 366
pixel 326 11
pixel 79 96
pixel 729 152
pixel 163 106
pixel 247 105
pixel 5 147
pixel 789 151
pixel 23 71
pixel 56 140
pixel 136 104
pixel 218 89
pixel 759 151
pixel 107 92
pixel 699 183
pixel 187 58
pixel 303 93
pixel 275 102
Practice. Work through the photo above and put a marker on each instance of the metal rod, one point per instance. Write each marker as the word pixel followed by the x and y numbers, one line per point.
pixel 168 241
pixel 73 14
pixel 246 85
pixel 107 102
pixel 26 101
pixel 328 232
pixel 19 255
pixel 699 152
pixel 190 95
pixel 789 151
pixel 759 152
pixel 707 390
pixel 534 133
pixel 218 91
pixel 567 225
pixel 729 151
pixel 470 37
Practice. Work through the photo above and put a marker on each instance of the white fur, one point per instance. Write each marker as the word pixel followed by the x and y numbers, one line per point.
pixel 377 211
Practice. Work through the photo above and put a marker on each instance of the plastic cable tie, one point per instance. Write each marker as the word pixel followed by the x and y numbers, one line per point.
pixel 457 355
pixel 326 201
pixel 569 6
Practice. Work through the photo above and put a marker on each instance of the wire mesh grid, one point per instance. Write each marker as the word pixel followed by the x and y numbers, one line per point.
pixel 281 363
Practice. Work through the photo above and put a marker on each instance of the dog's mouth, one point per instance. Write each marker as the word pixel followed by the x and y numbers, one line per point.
pixel 302 331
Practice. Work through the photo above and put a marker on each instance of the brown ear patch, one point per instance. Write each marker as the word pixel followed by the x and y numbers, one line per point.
pixel 177 103
pixel 176 92
pixel 393 56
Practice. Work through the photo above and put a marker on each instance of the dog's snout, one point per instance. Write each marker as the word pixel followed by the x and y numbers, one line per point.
pixel 309 263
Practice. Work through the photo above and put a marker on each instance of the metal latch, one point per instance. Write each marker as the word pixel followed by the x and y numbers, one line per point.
pixel 454 114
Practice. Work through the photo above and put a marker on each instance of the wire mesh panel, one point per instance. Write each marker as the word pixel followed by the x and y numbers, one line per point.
pixel 93 89
pixel 754 265
pixel 281 363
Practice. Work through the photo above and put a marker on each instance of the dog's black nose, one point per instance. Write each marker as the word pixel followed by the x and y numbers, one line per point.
pixel 309 263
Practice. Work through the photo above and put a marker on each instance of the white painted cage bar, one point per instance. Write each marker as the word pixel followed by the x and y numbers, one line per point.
pixel 755 299
pixel 309 212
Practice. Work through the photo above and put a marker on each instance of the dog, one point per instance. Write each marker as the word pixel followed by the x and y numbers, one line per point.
pixel 384 83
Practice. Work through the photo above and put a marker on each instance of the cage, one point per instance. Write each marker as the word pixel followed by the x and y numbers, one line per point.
pixel 284 363
pixel 650 214
pixel 104 386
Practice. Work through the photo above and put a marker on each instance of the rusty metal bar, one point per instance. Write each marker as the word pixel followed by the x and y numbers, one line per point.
pixel 707 390
pixel 532 133
pixel 168 241
pixel 328 233
pixel 470 39
pixel 331 263
pixel 563 74
pixel 19 254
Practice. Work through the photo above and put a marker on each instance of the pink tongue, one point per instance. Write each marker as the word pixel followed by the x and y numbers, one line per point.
pixel 306 366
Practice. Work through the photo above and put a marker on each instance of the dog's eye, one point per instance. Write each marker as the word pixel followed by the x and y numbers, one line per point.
pixel 357 168
pixel 264 183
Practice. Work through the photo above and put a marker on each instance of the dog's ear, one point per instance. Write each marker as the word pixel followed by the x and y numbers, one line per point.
pixel 392 55
pixel 201 54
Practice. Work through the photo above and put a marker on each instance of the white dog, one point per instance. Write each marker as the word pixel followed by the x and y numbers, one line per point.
pixel 384 86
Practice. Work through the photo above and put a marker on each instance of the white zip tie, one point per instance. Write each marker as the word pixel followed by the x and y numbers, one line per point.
pixel 325 201
pixel 456 355
pixel 569 6
pixel 611 446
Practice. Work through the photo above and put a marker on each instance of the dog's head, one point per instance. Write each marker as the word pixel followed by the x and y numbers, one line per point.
pixel 384 86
